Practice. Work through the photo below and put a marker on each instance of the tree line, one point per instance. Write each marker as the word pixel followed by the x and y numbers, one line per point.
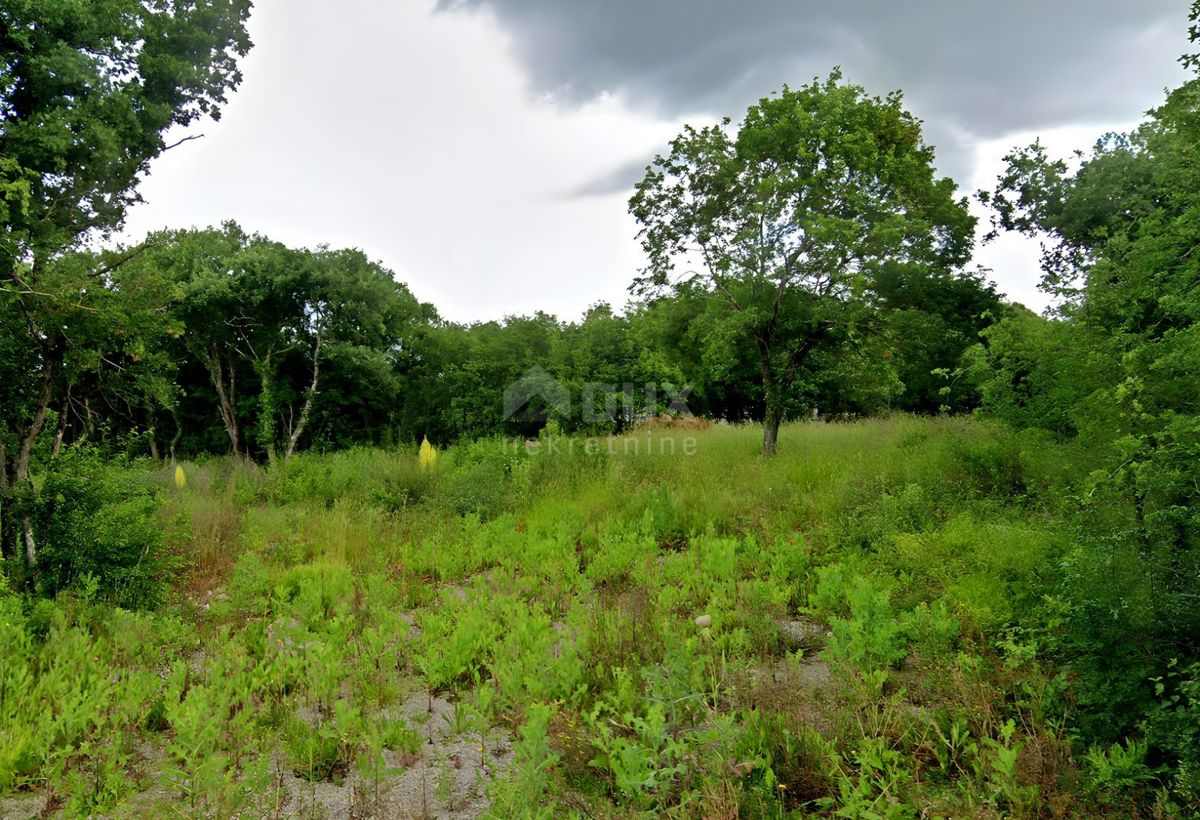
pixel 219 341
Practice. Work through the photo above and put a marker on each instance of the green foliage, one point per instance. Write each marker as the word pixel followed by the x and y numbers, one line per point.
pixel 875 786
pixel 1120 767
pixel 631 610
pixel 478 485
pixel 100 529
pixel 525 793
pixel 88 92
pixel 820 188
pixel 138 70
pixel 643 761
pixel 866 633
pixel 1174 721
pixel 325 751
pixel 988 593
pixel 1001 774
pixel 1119 229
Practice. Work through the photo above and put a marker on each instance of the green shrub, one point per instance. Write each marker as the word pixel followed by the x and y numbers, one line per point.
pixel 1120 768
pixel 389 478
pixel 993 466
pixel 523 794
pixel 867 634
pixel 96 520
pixel 326 750
pixel 1173 725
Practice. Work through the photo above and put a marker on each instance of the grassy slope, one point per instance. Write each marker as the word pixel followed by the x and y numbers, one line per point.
pixel 868 604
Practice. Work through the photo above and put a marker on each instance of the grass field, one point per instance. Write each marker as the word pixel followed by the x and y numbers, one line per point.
pixel 664 624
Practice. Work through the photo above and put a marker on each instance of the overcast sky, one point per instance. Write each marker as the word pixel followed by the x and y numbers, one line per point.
pixel 484 149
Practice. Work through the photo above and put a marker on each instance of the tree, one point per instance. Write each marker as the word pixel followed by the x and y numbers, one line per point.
pixel 359 331
pixel 102 326
pixel 932 318
pixel 231 290
pixel 1120 228
pixel 87 92
pixel 271 326
pixel 788 219
pixel 89 89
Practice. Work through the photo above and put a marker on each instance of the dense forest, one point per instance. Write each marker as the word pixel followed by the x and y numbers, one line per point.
pixel 806 261
pixel 218 341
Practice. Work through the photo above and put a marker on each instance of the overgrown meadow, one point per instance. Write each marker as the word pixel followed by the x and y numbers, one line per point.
pixel 864 626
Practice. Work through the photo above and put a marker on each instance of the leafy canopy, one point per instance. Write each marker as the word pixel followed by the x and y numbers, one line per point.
pixel 87 92
pixel 788 219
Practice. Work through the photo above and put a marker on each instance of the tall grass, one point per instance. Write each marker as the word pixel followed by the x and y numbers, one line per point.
pixel 670 622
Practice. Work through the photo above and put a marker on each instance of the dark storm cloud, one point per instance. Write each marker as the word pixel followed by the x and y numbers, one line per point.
pixel 618 180
pixel 973 70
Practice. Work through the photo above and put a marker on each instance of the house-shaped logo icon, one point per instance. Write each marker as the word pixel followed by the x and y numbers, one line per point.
pixel 536 392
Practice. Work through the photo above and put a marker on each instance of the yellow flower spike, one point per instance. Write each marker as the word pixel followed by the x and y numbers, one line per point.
pixel 180 477
pixel 428 454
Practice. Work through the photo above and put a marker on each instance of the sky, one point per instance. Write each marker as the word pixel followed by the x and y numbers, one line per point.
pixel 484 150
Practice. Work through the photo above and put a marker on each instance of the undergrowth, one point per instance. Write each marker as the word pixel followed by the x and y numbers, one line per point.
pixel 867 625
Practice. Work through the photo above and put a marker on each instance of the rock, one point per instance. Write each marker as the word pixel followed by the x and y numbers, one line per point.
pixel 797 634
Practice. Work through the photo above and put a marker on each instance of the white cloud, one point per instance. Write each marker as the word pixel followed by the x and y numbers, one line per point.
pixel 426 140
pixel 1014 259
pixel 413 136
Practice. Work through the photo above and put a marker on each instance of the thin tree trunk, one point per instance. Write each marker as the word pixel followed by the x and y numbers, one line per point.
pixel 774 386
pixel 298 430
pixel 266 401
pixel 30 544
pixel 771 424
pixel 175 438
pixel 225 398
pixel 773 410
pixel 61 432
pixel 4 502
pixel 89 426
pixel 20 473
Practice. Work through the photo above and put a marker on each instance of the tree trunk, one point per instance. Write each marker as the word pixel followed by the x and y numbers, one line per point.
pixel 175 438
pixel 298 430
pixel 61 432
pixel 89 420
pixel 30 545
pixel 773 410
pixel 775 383
pixel 4 503
pixel 266 402
pixel 771 423
pixel 225 398
pixel 20 473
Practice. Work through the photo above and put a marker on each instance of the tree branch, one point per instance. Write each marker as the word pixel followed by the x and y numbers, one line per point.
pixel 182 141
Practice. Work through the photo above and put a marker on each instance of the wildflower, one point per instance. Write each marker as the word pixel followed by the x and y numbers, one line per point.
pixel 180 477
pixel 428 454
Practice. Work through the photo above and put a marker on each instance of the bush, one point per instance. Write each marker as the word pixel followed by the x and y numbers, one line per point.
pixel 992 467
pixel 484 479
pixel 98 529
pixel 866 633
pixel 392 478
